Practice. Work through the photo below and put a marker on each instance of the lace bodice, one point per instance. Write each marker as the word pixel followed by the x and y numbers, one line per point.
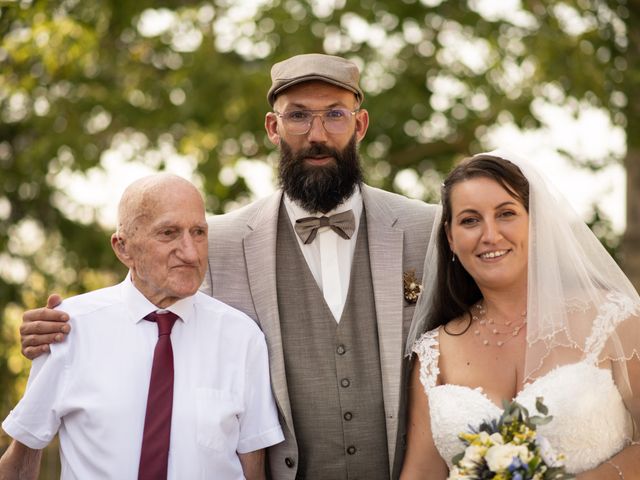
pixel 590 423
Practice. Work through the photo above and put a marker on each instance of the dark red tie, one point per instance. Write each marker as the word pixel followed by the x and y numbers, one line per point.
pixel 154 457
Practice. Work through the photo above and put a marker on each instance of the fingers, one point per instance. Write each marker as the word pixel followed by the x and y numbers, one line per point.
pixel 33 352
pixel 36 334
pixel 41 340
pixel 39 315
pixel 43 326
pixel 41 329
pixel 54 300
pixel 36 344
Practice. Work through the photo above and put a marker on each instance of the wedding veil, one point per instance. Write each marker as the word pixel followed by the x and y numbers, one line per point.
pixel 580 305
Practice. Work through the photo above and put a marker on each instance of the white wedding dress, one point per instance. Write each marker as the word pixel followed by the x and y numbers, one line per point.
pixel 590 423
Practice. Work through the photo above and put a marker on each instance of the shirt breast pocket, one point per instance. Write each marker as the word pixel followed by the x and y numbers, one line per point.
pixel 217 417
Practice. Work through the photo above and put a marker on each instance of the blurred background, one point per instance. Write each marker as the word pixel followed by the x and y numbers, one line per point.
pixel 96 93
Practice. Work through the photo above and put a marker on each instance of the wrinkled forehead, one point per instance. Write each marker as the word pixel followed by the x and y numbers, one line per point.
pixel 179 216
pixel 179 205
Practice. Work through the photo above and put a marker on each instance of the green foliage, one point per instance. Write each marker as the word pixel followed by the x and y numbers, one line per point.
pixel 80 79
pixel 508 447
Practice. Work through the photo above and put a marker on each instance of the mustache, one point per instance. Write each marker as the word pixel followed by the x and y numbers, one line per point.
pixel 318 150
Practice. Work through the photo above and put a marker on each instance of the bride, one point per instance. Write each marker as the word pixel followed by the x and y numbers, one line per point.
pixel 524 303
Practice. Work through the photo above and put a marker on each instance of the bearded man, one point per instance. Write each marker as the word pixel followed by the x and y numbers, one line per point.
pixel 319 265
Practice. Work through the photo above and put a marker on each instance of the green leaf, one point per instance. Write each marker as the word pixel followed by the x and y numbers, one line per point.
pixel 541 407
pixel 538 420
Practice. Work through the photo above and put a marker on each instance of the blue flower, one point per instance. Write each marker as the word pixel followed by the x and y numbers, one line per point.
pixel 516 464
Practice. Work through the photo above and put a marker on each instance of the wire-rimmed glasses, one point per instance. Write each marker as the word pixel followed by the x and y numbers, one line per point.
pixel 334 120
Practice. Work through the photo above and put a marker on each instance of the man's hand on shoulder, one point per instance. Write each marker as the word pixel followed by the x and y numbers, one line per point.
pixel 43 326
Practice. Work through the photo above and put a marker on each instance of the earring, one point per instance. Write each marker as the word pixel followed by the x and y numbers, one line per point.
pixel 453 257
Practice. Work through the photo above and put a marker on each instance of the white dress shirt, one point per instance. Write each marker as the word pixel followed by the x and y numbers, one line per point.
pixel 93 387
pixel 329 256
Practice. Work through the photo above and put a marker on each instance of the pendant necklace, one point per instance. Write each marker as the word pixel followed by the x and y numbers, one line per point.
pixel 497 331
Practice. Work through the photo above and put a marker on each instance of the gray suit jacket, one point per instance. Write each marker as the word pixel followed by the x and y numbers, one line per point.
pixel 242 273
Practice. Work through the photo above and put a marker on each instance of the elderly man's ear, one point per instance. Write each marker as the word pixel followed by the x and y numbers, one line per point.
pixel 120 248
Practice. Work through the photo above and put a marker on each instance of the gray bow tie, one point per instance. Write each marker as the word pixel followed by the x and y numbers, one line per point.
pixel 344 224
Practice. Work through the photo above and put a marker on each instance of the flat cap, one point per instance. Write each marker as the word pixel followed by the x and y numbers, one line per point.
pixel 314 66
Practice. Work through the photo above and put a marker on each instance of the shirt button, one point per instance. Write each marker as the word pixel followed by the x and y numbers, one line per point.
pixel 289 462
pixel 341 350
pixel 348 416
pixel 345 382
pixel 351 450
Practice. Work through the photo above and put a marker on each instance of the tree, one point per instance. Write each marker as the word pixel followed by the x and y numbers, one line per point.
pixel 85 82
pixel 631 239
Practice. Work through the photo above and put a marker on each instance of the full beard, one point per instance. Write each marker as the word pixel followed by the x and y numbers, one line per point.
pixel 320 188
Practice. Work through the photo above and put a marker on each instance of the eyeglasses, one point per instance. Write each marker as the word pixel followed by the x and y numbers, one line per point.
pixel 334 120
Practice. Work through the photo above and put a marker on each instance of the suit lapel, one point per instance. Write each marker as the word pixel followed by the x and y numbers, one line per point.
pixel 385 250
pixel 260 255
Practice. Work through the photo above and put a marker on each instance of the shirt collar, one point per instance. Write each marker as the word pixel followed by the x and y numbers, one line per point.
pixel 354 202
pixel 139 306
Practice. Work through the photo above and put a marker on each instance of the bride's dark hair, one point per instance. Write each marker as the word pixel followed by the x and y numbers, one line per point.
pixel 456 291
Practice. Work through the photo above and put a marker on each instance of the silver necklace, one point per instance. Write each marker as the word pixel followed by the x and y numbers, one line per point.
pixel 479 315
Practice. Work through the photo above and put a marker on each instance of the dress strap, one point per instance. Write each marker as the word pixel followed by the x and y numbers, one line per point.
pixel 427 349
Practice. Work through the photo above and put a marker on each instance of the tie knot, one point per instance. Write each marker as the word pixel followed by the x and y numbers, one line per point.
pixel 165 321
pixel 344 224
pixel 326 221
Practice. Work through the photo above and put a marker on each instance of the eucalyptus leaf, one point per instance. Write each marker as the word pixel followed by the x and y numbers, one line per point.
pixel 537 420
pixel 541 407
pixel 456 458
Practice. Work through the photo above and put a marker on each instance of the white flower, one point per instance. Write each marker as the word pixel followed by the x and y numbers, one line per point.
pixel 472 455
pixel 547 452
pixel 484 437
pixel 455 474
pixel 496 438
pixel 499 457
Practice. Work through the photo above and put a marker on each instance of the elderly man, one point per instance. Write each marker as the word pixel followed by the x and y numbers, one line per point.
pixel 157 380
pixel 320 265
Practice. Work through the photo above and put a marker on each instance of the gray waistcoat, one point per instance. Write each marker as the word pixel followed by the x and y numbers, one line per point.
pixel 333 370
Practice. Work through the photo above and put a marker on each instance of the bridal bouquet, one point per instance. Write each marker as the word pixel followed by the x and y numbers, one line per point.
pixel 509 449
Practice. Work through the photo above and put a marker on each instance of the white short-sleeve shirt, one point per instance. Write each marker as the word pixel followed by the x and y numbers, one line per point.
pixel 92 388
